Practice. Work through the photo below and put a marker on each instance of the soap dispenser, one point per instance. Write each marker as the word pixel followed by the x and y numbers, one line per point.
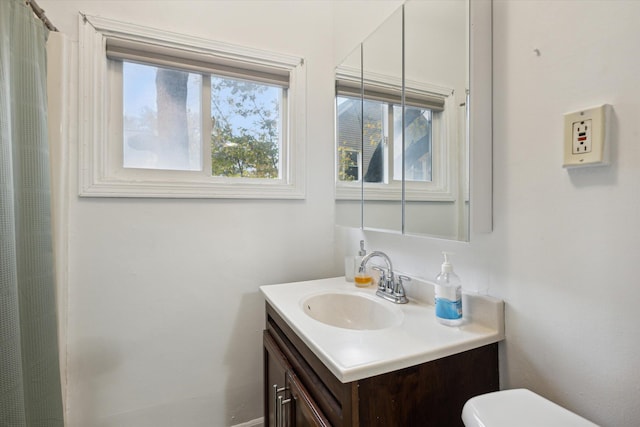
pixel 448 295
pixel 361 278
pixel 352 263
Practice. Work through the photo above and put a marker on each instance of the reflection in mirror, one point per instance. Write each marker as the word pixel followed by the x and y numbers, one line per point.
pixel 382 126
pixel 348 110
pixel 413 161
pixel 436 64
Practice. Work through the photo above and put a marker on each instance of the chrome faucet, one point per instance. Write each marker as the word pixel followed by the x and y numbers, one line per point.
pixel 388 287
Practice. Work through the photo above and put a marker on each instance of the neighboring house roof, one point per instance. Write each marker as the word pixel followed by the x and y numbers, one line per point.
pixel 349 134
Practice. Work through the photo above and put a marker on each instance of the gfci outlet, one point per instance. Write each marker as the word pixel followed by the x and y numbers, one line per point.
pixel 586 141
pixel 581 137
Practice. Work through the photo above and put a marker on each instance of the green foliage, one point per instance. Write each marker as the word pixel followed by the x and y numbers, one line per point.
pixel 244 137
pixel 372 131
pixel 348 164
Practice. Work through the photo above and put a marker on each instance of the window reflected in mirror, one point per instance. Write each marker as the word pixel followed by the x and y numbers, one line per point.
pixel 401 124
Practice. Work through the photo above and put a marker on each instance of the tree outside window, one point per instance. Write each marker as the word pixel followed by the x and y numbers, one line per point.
pixel 245 140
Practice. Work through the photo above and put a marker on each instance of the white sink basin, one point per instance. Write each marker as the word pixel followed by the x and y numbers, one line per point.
pixel 359 335
pixel 351 311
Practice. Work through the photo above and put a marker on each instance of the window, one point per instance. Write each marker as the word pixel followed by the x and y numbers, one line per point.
pixel 162 118
pixel 369 123
pixel 166 115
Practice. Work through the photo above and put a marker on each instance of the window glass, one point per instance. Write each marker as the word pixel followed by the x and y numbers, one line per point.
pixel 246 128
pixel 349 164
pixel 374 137
pixel 162 122
pixel 349 137
pixel 418 144
pixel 368 139
pixel 375 124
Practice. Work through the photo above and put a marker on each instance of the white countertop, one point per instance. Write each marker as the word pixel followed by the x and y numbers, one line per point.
pixel 355 354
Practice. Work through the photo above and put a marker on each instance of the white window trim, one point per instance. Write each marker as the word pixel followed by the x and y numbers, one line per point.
pixel 98 179
pixel 441 188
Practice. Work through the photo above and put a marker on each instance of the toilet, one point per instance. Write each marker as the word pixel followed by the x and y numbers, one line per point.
pixel 518 407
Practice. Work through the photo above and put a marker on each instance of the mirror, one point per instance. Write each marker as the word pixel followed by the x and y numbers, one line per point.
pixel 381 108
pixel 348 134
pixel 402 120
pixel 436 62
pixel 368 95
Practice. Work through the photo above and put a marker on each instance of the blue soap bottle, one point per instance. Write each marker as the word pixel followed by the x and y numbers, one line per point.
pixel 448 290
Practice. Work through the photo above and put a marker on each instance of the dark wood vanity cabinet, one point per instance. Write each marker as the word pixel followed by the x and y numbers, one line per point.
pixel 300 391
pixel 287 401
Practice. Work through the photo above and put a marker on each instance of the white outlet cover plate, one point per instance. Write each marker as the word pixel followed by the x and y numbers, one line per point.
pixel 599 153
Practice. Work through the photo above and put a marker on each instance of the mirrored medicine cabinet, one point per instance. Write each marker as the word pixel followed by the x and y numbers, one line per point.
pixel 413 123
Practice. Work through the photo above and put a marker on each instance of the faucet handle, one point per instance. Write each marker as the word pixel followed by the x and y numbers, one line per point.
pixel 399 290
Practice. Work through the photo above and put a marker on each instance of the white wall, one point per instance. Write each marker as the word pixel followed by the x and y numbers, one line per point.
pixel 164 314
pixel 569 239
pixel 565 249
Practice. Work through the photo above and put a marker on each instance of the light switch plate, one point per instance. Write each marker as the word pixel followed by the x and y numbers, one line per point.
pixel 586 141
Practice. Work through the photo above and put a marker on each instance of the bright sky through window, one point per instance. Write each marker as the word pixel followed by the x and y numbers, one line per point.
pixel 162 118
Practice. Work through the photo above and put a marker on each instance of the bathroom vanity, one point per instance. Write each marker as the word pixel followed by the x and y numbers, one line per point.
pixel 411 372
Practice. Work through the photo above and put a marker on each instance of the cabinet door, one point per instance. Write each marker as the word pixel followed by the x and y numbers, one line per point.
pixel 275 370
pixel 304 410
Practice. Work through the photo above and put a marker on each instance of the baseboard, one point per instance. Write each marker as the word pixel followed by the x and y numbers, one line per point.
pixel 258 422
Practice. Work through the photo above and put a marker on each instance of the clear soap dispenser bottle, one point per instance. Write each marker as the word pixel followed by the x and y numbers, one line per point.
pixel 448 295
pixel 361 278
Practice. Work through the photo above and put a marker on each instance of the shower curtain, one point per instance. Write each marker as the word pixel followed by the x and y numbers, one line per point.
pixel 30 386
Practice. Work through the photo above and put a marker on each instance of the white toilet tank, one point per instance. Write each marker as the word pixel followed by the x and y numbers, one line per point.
pixel 519 407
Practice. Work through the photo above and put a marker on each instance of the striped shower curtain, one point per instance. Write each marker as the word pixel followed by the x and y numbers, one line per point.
pixel 30 390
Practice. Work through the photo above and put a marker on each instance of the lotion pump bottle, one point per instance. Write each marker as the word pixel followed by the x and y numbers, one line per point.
pixel 361 278
pixel 352 263
pixel 448 295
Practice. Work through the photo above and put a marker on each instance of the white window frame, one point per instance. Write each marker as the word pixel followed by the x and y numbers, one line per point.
pixel 100 167
pixel 444 143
